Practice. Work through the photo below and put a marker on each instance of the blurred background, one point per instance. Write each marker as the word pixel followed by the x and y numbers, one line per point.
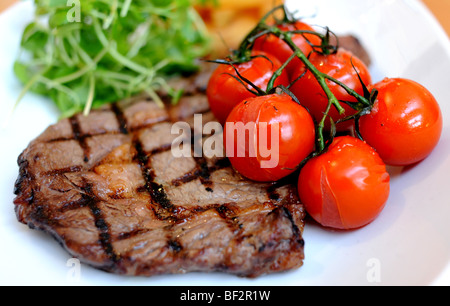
pixel 232 17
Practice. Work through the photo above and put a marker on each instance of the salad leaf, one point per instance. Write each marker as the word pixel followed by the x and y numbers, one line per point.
pixel 83 54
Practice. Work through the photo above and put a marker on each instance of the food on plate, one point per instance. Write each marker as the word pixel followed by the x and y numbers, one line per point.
pixel 343 182
pixel 405 123
pixel 346 187
pixel 225 91
pixel 108 188
pixel 267 137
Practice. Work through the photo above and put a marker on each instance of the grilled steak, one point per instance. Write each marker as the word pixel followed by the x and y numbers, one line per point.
pixel 108 188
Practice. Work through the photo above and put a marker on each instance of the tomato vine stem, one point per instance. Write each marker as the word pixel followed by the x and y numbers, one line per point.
pixel 263 28
pixel 319 76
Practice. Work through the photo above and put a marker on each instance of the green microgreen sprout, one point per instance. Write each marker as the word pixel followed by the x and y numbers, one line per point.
pixel 116 49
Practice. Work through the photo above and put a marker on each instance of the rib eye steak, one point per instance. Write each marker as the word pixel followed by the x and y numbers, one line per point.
pixel 108 188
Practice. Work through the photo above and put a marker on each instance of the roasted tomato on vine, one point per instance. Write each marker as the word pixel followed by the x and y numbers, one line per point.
pixel 267 137
pixel 347 186
pixel 225 91
pixel 338 66
pixel 405 123
pixel 279 48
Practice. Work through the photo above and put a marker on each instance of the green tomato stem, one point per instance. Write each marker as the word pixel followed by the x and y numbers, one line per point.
pixel 321 79
pixel 279 71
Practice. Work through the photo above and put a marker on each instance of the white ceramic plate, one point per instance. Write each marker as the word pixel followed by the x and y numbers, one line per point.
pixel 409 244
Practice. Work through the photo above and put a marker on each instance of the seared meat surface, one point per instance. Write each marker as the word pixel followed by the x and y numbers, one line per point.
pixel 109 189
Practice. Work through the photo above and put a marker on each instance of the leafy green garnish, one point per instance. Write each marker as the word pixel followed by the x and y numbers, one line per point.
pixel 83 54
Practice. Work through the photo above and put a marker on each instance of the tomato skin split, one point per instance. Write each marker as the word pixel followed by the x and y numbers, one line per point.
pixel 346 187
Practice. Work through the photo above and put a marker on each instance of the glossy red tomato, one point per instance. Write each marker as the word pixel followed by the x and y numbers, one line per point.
pixel 405 124
pixel 267 137
pixel 346 187
pixel 339 66
pixel 224 92
pixel 276 46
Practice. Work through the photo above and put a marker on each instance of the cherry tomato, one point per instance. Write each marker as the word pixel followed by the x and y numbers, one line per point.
pixel 280 135
pixel 276 46
pixel 224 92
pixel 339 66
pixel 405 123
pixel 347 186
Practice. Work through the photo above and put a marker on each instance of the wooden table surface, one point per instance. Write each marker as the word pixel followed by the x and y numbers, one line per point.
pixel 440 8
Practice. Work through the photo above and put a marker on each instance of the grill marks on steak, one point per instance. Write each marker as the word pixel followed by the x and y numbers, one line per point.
pixel 107 187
